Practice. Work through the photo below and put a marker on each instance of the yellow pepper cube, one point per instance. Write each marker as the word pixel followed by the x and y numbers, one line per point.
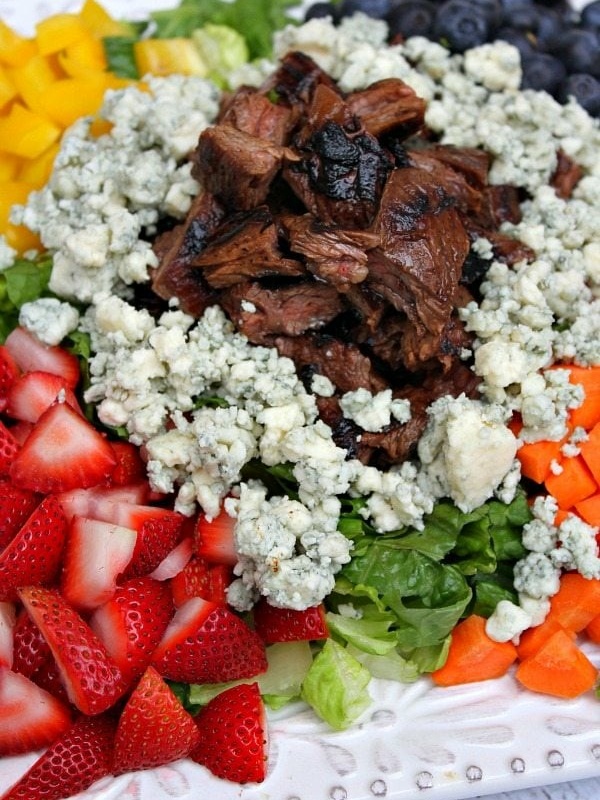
pixel 100 22
pixel 25 133
pixel 36 171
pixel 168 56
pixel 83 57
pixel 59 31
pixel 70 98
pixel 14 49
pixel 17 236
pixel 8 91
pixel 33 79
pixel 9 166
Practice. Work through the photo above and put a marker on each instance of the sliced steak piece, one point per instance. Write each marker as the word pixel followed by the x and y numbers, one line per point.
pixel 566 175
pixel 388 107
pixel 296 79
pixel 343 363
pixel 236 167
pixel 336 255
pixel 176 248
pixel 500 203
pixel 245 246
pixel 466 197
pixel 261 313
pixel 255 114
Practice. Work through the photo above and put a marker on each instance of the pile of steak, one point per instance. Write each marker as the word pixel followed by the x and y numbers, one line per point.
pixel 334 227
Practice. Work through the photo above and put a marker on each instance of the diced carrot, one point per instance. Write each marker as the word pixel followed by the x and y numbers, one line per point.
pixel 532 639
pixel 537 457
pixel 592 630
pixel 559 668
pixel 589 509
pixel 560 516
pixel 590 451
pixel 588 414
pixel 573 484
pixel 473 656
pixel 577 601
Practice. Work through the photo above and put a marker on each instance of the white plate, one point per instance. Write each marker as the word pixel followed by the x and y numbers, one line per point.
pixel 444 744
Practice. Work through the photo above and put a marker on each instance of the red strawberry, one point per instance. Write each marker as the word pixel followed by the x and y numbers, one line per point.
pixel 174 561
pixel 21 430
pixel 9 372
pixel 16 505
pixel 130 466
pixel 8 616
pixel 9 447
pixel 92 679
pixel 154 728
pixel 208 643
pixel 97 502
pixel 289 625
pixel 133 622
pixel 29 353
pixel 31 718
pixel 96 554
pixel 159 531
pixel 34 392
pixel 30 649
pixel 214 539
pixel 34 554
pixel 49 678
pixel 63 451
pixel 200 579
pixel 233 735
pixel 81 756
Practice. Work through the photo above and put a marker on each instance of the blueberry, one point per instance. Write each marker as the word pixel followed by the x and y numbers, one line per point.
pixel 585 89
pixel 411 18
pixel 580 51
pixel 543 72
pixel 379 9
pixel 519 39
pixel 320 10
pixel 458 24
pixel 492 11
pixel 523 16
pixel 590 17
pixel 550 30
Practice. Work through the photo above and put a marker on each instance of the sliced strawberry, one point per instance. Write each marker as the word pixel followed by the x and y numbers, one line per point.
pixel 92 679
pixel 63 451
pixel 8 616
pixel 289 625
pixel 174 561
pixel 31 718
pixel 30 649
pixel 16 505
pixel 214 539
pixel 159 531
pixel 96 554
pixel 133 622
pixel 154 728
pixel 77 759
pixel 208 643
pixel 29 353
pixel 34 554
pixel 130 467
pixel 48 677
pixel 221 576
pixel 21 430
pixel 9 448
pixel 200 579
pixel 97 502
pixel 34 392
pixel 233 735
pixel 9 372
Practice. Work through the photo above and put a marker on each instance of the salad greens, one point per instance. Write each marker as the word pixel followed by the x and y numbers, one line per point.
pixel 24 281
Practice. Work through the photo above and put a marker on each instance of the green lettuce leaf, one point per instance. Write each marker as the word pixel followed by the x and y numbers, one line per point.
pixel 24 281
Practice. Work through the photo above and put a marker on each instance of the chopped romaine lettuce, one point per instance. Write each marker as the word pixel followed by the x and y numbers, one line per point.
pixel 24 281
pixel 222 49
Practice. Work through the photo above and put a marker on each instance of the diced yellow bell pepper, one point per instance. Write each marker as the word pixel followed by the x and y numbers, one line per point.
pixel 59 31
pixel 68 99
pixel 83 57
pixel 36 171
pixel 8 91
pixel 9 166
pixel 25 133
pixel 168 56
pixel 100 127
pixel 100 22
pixel 32 80
pixel 14 49
pixel 17 236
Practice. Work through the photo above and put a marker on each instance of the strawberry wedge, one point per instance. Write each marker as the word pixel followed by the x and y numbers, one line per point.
pixel 207 643
pixel 92 679
pixel 63 451
pixel 34 392
pixel 30 354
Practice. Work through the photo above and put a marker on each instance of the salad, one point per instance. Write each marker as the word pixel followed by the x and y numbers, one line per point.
pixel 372 483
